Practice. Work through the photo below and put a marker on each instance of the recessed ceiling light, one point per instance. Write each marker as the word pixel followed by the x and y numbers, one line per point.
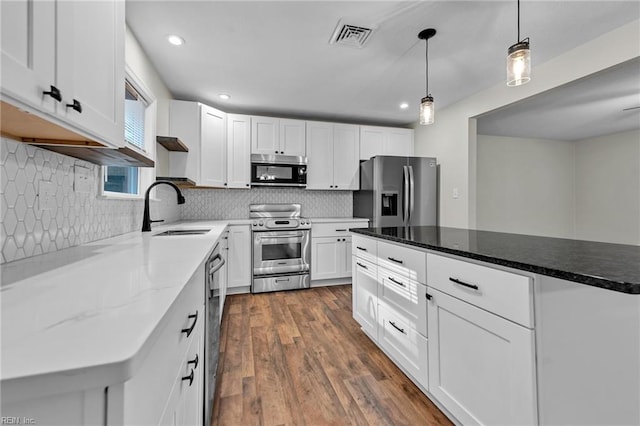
pixel 404 105
pixel 175 40
pixel 224 96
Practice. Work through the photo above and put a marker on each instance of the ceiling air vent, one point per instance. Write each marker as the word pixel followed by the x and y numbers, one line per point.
pixel 350 35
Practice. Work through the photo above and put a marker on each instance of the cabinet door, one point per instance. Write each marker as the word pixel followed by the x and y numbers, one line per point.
pixel 481 365
pixel 238 151
pixel 326 261
pixel 371 141
pixel 265 135
pixel 346 155
pixel 365 296
pixel 239 271
pixel 90 66
pixel 320 158
pixel 29 51
pixel 292 137
pixel 348 267
pixel 398 142
pixel 213 147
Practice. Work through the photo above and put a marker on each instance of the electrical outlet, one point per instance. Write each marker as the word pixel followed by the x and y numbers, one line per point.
pixel 456 193
pixel 46 195
pixel 81 179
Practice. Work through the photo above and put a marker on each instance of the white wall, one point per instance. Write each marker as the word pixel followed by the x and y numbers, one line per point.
pixel 608 188
pixel 452 138
pixel 525 186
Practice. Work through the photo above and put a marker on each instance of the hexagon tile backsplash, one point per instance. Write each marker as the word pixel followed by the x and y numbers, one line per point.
pixel 74 218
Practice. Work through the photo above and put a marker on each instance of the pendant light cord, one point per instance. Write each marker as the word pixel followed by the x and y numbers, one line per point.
pixel 518 21
pixel 427 66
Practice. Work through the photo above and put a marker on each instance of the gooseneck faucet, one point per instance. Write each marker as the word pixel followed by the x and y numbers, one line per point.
pixel 146 220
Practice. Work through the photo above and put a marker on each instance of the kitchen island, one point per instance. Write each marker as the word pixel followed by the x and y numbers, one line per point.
pixel 518 329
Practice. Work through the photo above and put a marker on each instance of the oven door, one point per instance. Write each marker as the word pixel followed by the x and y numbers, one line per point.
pixel 281 252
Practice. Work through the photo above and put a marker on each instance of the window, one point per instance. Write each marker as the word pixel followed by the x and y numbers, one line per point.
pixel 138 124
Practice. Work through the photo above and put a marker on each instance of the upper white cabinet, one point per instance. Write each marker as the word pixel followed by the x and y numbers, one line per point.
pixel 333 156
pixel 66 59
pixel 376 140
pixel 203 129
pixel 277 136
pixel 238 151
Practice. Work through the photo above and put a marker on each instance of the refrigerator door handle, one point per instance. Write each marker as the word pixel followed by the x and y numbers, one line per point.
pixel 412 193
pixel 405 195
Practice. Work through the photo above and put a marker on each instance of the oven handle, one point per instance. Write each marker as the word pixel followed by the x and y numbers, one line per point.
pixel 280 236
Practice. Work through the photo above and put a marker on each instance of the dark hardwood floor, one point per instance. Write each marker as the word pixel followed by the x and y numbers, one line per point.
pixel 299 358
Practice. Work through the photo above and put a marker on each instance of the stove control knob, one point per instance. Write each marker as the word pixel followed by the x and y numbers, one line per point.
pixel 261 223
pixel 255 223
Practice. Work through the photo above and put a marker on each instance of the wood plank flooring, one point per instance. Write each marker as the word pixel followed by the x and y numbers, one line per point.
pixel 299 358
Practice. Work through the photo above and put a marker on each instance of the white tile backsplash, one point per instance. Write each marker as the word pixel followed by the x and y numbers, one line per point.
pixel 75 218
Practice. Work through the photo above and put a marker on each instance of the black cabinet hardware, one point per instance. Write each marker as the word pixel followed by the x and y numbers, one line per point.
pixel 428 296
pixel 194 362
pixel 190 329
pixel 361 265
pixel 401 330
pixel 400 283
pixel 462 283
pixel 76 106
pixel 54 92
pixel 341 230
pixel 395 260
pixel 361 248
pixel 189 377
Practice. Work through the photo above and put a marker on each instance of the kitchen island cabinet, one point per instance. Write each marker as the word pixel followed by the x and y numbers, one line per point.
pixel 85 342
pixel 502 348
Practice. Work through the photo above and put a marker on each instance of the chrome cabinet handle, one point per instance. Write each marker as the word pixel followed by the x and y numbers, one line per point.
pixel 462 283
pixel 401 330
pixel 189 378
pixel 189 330
pixel 194 362
pixel 401 284
pixel 395 260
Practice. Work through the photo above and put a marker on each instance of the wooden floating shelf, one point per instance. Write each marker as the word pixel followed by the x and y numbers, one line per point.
pixel 172 143
pixel 181 182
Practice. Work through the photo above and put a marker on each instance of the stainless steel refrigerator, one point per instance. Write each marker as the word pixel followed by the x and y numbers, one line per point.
pixel 397 191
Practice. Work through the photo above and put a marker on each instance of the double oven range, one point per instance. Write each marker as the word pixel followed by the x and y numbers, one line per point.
pixel 281 255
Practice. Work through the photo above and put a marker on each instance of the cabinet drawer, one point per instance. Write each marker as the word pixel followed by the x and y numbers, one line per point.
pixel 364 247
pixel 335 228
pixel 365 296
pixel 407 296
pixel 406 261
pixel 500 292
pixel 150 387
pixel 406 346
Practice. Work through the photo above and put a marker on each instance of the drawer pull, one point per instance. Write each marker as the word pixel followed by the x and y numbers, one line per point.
pixel 401 330
pixel 54 92
pixel 189 377
pixel 190 329
pixel 400 283
pixel 76 106
pixel 361 248
pixel 462 283
pixel 341 230
pixel 361 265
pixel 428 296
pixel 194 362
pixel 395 260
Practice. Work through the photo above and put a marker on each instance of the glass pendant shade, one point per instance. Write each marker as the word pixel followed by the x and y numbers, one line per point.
pixel 519 64
pixel 427 111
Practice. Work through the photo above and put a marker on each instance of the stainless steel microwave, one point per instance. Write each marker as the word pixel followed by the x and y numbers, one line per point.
pixel 278 170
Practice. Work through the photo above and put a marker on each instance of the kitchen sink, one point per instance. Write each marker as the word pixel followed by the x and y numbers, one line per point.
pixel 175 232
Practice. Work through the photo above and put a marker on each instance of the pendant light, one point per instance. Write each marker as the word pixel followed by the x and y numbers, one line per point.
pixel 519 60
pixel 426 104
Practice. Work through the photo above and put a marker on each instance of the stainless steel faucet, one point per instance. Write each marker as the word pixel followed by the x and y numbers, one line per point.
pixel 146 220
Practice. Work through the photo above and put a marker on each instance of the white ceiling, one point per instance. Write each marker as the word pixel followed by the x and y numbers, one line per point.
pixel 274 58
pixel 586 108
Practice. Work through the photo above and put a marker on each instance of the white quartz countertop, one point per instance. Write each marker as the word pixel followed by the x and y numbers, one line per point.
pixel 87 315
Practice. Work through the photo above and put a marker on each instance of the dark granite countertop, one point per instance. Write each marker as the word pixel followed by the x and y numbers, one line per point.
pixel 611 266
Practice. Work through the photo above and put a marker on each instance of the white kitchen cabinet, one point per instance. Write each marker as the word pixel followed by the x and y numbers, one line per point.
pixel 238 151
pixel 273 136
pixel 375 140
pixel 331 249
pixel 482 366
pixel 365 296
pixel 239 259
pixel 75 46
pixel 333 156
pixel 203 130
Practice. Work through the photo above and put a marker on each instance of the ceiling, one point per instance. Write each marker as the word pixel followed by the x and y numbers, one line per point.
pixel 274 57
pixel 590 107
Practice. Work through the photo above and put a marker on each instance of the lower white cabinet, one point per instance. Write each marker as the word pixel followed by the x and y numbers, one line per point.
pixel 239 259
pixel 365 295
pixel 481 366
pixel 331 249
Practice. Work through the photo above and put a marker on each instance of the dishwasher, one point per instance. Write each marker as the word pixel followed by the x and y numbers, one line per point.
pixel 212 325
